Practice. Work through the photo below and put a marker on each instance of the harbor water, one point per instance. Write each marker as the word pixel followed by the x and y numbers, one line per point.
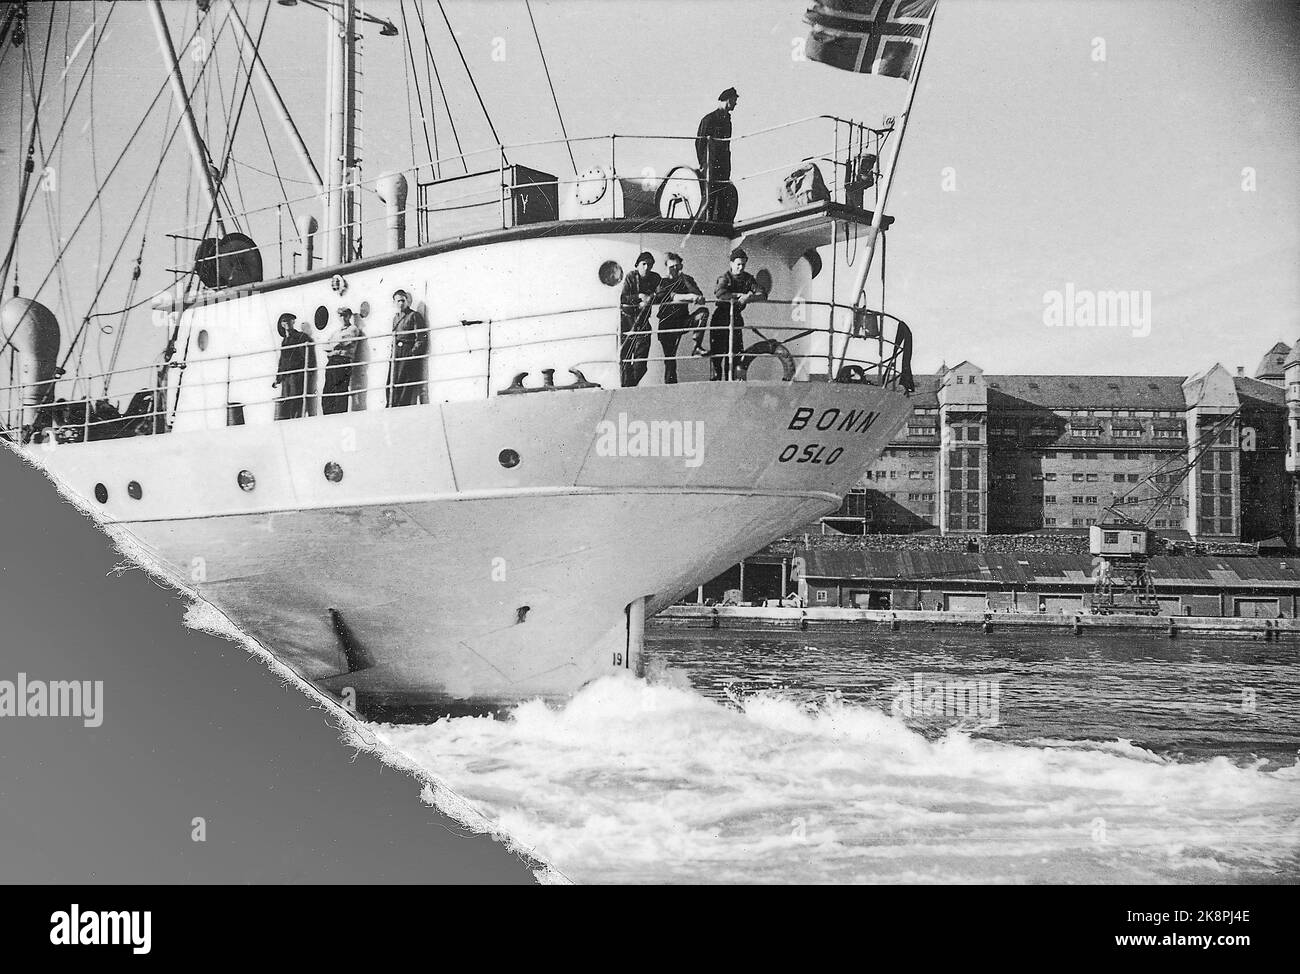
pixel 864 755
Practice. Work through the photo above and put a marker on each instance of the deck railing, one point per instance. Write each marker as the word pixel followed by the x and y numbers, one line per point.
pixel 806 341
pixel 486 193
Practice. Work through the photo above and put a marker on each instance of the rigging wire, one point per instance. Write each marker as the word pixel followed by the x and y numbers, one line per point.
pixel 563 131
pixel 94 155
pixel 118 161
pixel 63 109
pixel 154 178
pixel 19 216
pixel 433 63
pixel 267 172
pixel 270 151
pixel 29 163
pixel 26 206
pixel 152 193
pixel 473 84
pixel 419 98
pixel 232 211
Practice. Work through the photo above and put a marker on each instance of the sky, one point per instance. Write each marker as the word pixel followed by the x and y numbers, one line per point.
pixel 1146 146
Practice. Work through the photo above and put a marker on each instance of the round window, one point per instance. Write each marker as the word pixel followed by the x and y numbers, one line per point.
pixel 333 472
pixel 246 480
pixel 203 339
pixel 134 490
pixel 322 318
pixel 101 493
pixel 508 458
pixel 610 273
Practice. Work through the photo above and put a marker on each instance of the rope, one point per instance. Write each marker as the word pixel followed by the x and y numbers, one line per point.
pixel 529 7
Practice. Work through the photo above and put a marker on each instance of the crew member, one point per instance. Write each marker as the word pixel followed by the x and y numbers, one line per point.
pixel 735 289
pixel 713 150
pixel 340 358
pixel 297 356
pixel 675 294
pixel 634 319
pixel 410 344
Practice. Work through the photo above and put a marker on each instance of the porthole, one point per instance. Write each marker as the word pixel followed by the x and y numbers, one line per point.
pixel 322 318
pixel 333 472
pixel 764 281
pixel 134 491
pixel 246 480
pixel 363 309
pixel 203 339
pixel 508 458
pixel 101 493
pixel 610 273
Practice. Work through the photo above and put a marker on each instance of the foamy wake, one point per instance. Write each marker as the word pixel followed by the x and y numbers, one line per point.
pixel 644 782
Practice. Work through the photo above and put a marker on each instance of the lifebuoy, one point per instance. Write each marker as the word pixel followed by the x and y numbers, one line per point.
pixel 766 347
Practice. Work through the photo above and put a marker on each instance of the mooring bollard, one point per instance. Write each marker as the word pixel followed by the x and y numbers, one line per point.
pixel 988 623
pixel 893 622
pixel 803 620
pixel 1173 631
pixel 717 621
pixel 1078 626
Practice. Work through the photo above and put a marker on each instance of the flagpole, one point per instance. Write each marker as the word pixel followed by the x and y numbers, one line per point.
pixel 873 234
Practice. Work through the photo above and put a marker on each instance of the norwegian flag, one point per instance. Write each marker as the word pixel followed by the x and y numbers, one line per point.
pixel 868 36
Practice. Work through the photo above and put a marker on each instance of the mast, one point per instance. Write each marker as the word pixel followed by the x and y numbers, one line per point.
pixel 873 234
pixel 340 132
pixel 198 151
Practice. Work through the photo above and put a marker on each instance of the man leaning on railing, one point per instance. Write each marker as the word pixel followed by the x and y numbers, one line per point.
pixel 734 290
pixel 639 289
pixel 675 294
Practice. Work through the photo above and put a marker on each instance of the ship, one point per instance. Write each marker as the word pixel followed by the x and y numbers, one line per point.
pixel 505 531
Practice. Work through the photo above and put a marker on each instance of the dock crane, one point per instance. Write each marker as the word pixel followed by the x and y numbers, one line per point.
pixel 1121 542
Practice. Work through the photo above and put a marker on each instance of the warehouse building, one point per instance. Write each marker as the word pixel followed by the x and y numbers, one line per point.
pixel 1040 458
pixel 1007 454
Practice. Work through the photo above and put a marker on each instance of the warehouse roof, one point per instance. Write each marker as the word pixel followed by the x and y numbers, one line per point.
pixel 1164 392
pixel 1014 568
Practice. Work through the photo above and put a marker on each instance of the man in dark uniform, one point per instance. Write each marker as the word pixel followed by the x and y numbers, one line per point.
pixel 713 150
pixel 734 290
pixel 297 356
pixel 634 320
pixel 674 296
pixel 410 344
pixel 339 360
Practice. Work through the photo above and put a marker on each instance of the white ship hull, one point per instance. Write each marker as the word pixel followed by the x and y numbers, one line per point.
pixel 432 573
